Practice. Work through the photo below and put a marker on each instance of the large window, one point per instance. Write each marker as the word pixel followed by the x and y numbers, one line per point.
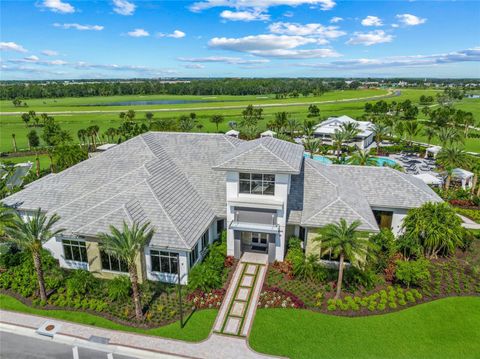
pixel 164 262
pixel 194 255
pixel 75 251
pixel 256 183
pixel 112 263
pixel 205 240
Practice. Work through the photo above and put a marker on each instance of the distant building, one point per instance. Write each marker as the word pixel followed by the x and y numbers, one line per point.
pixel 326 129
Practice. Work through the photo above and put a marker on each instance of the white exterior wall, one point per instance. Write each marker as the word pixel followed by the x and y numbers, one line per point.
pixel 397 220
pixel 282 188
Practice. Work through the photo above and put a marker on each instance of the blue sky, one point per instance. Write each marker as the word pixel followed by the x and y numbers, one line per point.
pixel 62 39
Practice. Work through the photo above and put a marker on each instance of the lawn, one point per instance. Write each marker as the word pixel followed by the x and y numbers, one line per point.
pixel 44 160
pixel 197 328
pixel 73 122
pixel 446 328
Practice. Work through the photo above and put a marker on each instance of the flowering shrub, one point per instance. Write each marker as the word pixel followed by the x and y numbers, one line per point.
pixel 462 203
pixel 201 300
pixel 274 297
pixel 229 261
pixel 285 268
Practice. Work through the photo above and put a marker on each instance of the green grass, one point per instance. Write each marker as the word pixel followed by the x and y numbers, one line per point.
pixel 44 160
pixel 447 328
pixel 197 328
pixel 73 122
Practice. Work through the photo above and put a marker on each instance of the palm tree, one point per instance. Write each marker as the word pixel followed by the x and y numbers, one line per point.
pixel 293 126
pixel 343 240
pixel 412 129
pixel 381 131
pixel 475 168
pixel 29 234
pixel 6 217
pixel 149 116
pixel 350 130
pixel 82 134
pixel 311 145
pixel 14 143
pixel 452 157
pixel 362 158
pixel 449 135
pixel 216 119
pixel 430 133
pixel 26 118
pixel 338 138
pixel 127 244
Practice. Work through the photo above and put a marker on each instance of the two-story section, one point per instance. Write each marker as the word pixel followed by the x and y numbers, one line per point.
pixel 258 183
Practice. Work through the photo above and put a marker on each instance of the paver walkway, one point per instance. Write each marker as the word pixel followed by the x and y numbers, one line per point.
pixel 238 308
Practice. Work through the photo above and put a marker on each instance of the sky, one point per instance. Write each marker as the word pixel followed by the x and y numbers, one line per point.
pixel 63 39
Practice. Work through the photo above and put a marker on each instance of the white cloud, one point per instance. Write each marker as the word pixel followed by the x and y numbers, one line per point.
pixel 259 4
pixel 372 21
pixel 468 55
pixel 297 54
pixel 259 42
pixel 177 34
pixel 123 7
pixel 225 59
pixel 138 33
pixel 59 6
pixel 370 38
pixel 32 58
pixel 410 20
pixel 50 53
pixel 79 27
pixel 12 46
pixel 194 66
pixel 336 19
pixel 244 15
pixel 395 25
pixel 36 60
pixel 293 29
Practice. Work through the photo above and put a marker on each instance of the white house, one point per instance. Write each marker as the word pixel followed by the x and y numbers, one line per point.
pixel 327 128
pixel 190 187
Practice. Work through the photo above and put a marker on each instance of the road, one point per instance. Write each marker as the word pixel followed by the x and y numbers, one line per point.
pixel 228 107
pixel 20 347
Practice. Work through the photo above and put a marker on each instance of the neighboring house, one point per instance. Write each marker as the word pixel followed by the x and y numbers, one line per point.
pixel 190 187
pixel 327 128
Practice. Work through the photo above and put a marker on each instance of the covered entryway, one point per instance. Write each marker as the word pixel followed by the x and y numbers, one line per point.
pixel 255 242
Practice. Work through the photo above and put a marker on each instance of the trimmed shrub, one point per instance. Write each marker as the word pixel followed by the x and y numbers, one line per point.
pixel 119 288
pixel 412 272
pixel 81 282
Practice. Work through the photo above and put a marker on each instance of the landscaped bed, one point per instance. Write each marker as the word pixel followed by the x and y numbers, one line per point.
pixel 446 328
pixel 197 327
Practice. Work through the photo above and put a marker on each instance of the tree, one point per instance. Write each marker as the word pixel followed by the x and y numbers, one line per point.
pixel 6 218
pixel 293 126
pixel 435 227
pixel 251 115
pixel 92 132
pixel 33 139
pixel 186 123
pixel 14 141
pixel 338 138
pixel 149 116
pixel 313 111
pixel 217 119
pixel 26 118
pixel 362 158
pixel 29 234
pixel 82 136
pixel 430 133
pixel 449 136
pixel 311 145
pixel 412 129
pixel 343 240
pixel 452 157
pixel 66 156
pixel 127 245
pixel 280 122
pixel 380 131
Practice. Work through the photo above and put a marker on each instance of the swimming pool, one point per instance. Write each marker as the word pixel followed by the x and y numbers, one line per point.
pixel 381 161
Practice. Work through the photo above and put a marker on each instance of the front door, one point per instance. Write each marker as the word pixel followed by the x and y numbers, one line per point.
pixel 254 241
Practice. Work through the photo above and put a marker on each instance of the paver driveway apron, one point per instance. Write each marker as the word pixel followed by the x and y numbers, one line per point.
pixel 238 309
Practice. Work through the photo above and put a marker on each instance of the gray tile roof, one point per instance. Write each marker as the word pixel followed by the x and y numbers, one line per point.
pixel 266 154
pixel 163 178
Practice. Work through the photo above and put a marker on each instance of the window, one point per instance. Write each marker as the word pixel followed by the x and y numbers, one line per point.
pixel 75 251
pixel 194 255
pixel 255 183
pixel 112 263
pixel 164 262
pixel 205 240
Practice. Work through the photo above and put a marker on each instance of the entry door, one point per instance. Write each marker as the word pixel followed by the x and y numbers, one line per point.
pixel 259 241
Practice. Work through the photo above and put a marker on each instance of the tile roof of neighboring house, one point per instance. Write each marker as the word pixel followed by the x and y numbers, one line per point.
pixel 163 178
pixel 332 124
pixel 266 154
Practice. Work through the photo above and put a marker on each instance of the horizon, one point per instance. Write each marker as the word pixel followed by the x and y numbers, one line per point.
pixel 205 39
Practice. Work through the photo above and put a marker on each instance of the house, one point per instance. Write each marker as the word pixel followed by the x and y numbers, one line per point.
pixel 191 187
pixel 327 128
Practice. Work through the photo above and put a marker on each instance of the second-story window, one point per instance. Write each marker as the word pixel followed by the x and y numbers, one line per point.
pixel 257 183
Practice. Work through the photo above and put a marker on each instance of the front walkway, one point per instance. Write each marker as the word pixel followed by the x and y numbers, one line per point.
pixel 238 308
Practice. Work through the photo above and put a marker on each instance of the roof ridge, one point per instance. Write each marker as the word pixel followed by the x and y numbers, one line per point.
pixel 99 218
pixel 354 210
pixel 402 176
pixel 277 156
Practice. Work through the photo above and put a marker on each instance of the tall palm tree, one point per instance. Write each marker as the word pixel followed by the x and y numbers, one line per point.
pixel 475 168
pixel 6 217
pixel 14 143
pixel 412 129
pixel 149 116
pixel 127 244
pixel 217 119
pixel 29 234
pixel 338 138
pixel 380 131
pixel 430 133
pixel 343 240
pixel 449 136
pixel 312 145
pixel 362 158
pixel 82 134
pixel 452 157
pixel 350 130
pixel 293 126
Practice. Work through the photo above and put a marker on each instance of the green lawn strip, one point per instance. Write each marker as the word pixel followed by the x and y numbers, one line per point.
pixel 196 329
pixel 446 328
pixel 250 295
pixel 44 160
